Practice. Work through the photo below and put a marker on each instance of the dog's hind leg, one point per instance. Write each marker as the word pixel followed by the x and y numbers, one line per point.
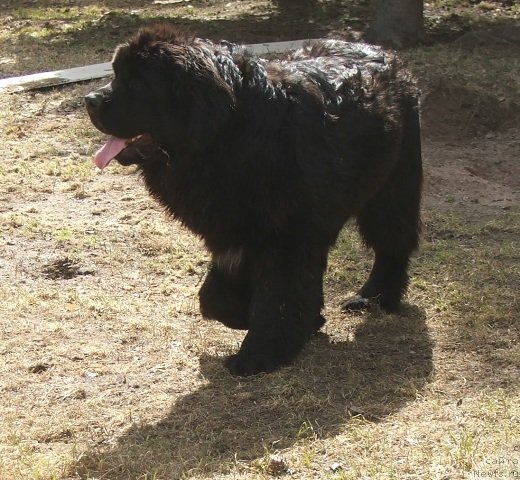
pixel 390 224
pixel 386 284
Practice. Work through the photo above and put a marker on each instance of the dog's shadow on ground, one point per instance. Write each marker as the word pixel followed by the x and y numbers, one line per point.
pixel 387 360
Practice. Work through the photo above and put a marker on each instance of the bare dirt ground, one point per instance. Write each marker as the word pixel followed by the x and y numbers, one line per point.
pixel 477 177
pixel 107 370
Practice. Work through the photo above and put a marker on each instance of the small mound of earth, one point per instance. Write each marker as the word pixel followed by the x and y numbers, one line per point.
pixel 64 268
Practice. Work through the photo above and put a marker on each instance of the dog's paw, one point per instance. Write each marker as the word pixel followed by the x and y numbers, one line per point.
pixel 356 303
pixel 244 364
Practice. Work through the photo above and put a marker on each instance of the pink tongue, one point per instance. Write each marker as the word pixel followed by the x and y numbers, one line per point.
pixel 108 151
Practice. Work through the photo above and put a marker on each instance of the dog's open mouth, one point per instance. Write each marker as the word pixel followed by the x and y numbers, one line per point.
pixel 113 147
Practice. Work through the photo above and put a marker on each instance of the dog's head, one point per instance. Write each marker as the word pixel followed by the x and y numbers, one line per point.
pixel 167 88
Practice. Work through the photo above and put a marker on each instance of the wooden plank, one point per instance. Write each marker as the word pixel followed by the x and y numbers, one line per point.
pixel 101 70
pixel 58 77
pixel 273 47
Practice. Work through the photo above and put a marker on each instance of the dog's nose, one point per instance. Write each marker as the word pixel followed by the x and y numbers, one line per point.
pixel 93 99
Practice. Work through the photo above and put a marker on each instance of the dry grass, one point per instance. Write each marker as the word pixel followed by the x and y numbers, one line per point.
pixel 108 372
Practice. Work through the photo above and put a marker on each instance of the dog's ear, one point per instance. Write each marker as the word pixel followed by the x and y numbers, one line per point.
pixel 204 98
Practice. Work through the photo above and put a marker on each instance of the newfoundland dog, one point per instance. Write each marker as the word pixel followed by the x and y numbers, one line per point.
pixel 266 159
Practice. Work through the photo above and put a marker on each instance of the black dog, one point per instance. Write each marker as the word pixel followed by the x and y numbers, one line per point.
pixel 266 161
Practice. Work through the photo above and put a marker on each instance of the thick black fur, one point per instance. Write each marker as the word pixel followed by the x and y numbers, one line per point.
pixel 266 161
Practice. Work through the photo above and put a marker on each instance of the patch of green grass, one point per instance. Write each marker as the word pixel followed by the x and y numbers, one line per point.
pixel 349 261
pixel 462 449
pixel 47 23
pixel 75 170
pixel 44 13
pixel 472 261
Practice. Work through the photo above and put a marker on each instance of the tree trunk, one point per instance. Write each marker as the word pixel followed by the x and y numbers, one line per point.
pixel 397 23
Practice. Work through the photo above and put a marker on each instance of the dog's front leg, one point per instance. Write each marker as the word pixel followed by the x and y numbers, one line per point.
pixel 284 312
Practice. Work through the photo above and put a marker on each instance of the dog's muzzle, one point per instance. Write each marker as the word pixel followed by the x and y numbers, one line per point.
pixel 95 99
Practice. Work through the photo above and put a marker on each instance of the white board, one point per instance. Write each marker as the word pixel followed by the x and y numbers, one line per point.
pixel 58 77
pixel 100 70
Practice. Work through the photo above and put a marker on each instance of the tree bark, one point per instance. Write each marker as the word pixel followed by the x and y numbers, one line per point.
pixel 397 23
